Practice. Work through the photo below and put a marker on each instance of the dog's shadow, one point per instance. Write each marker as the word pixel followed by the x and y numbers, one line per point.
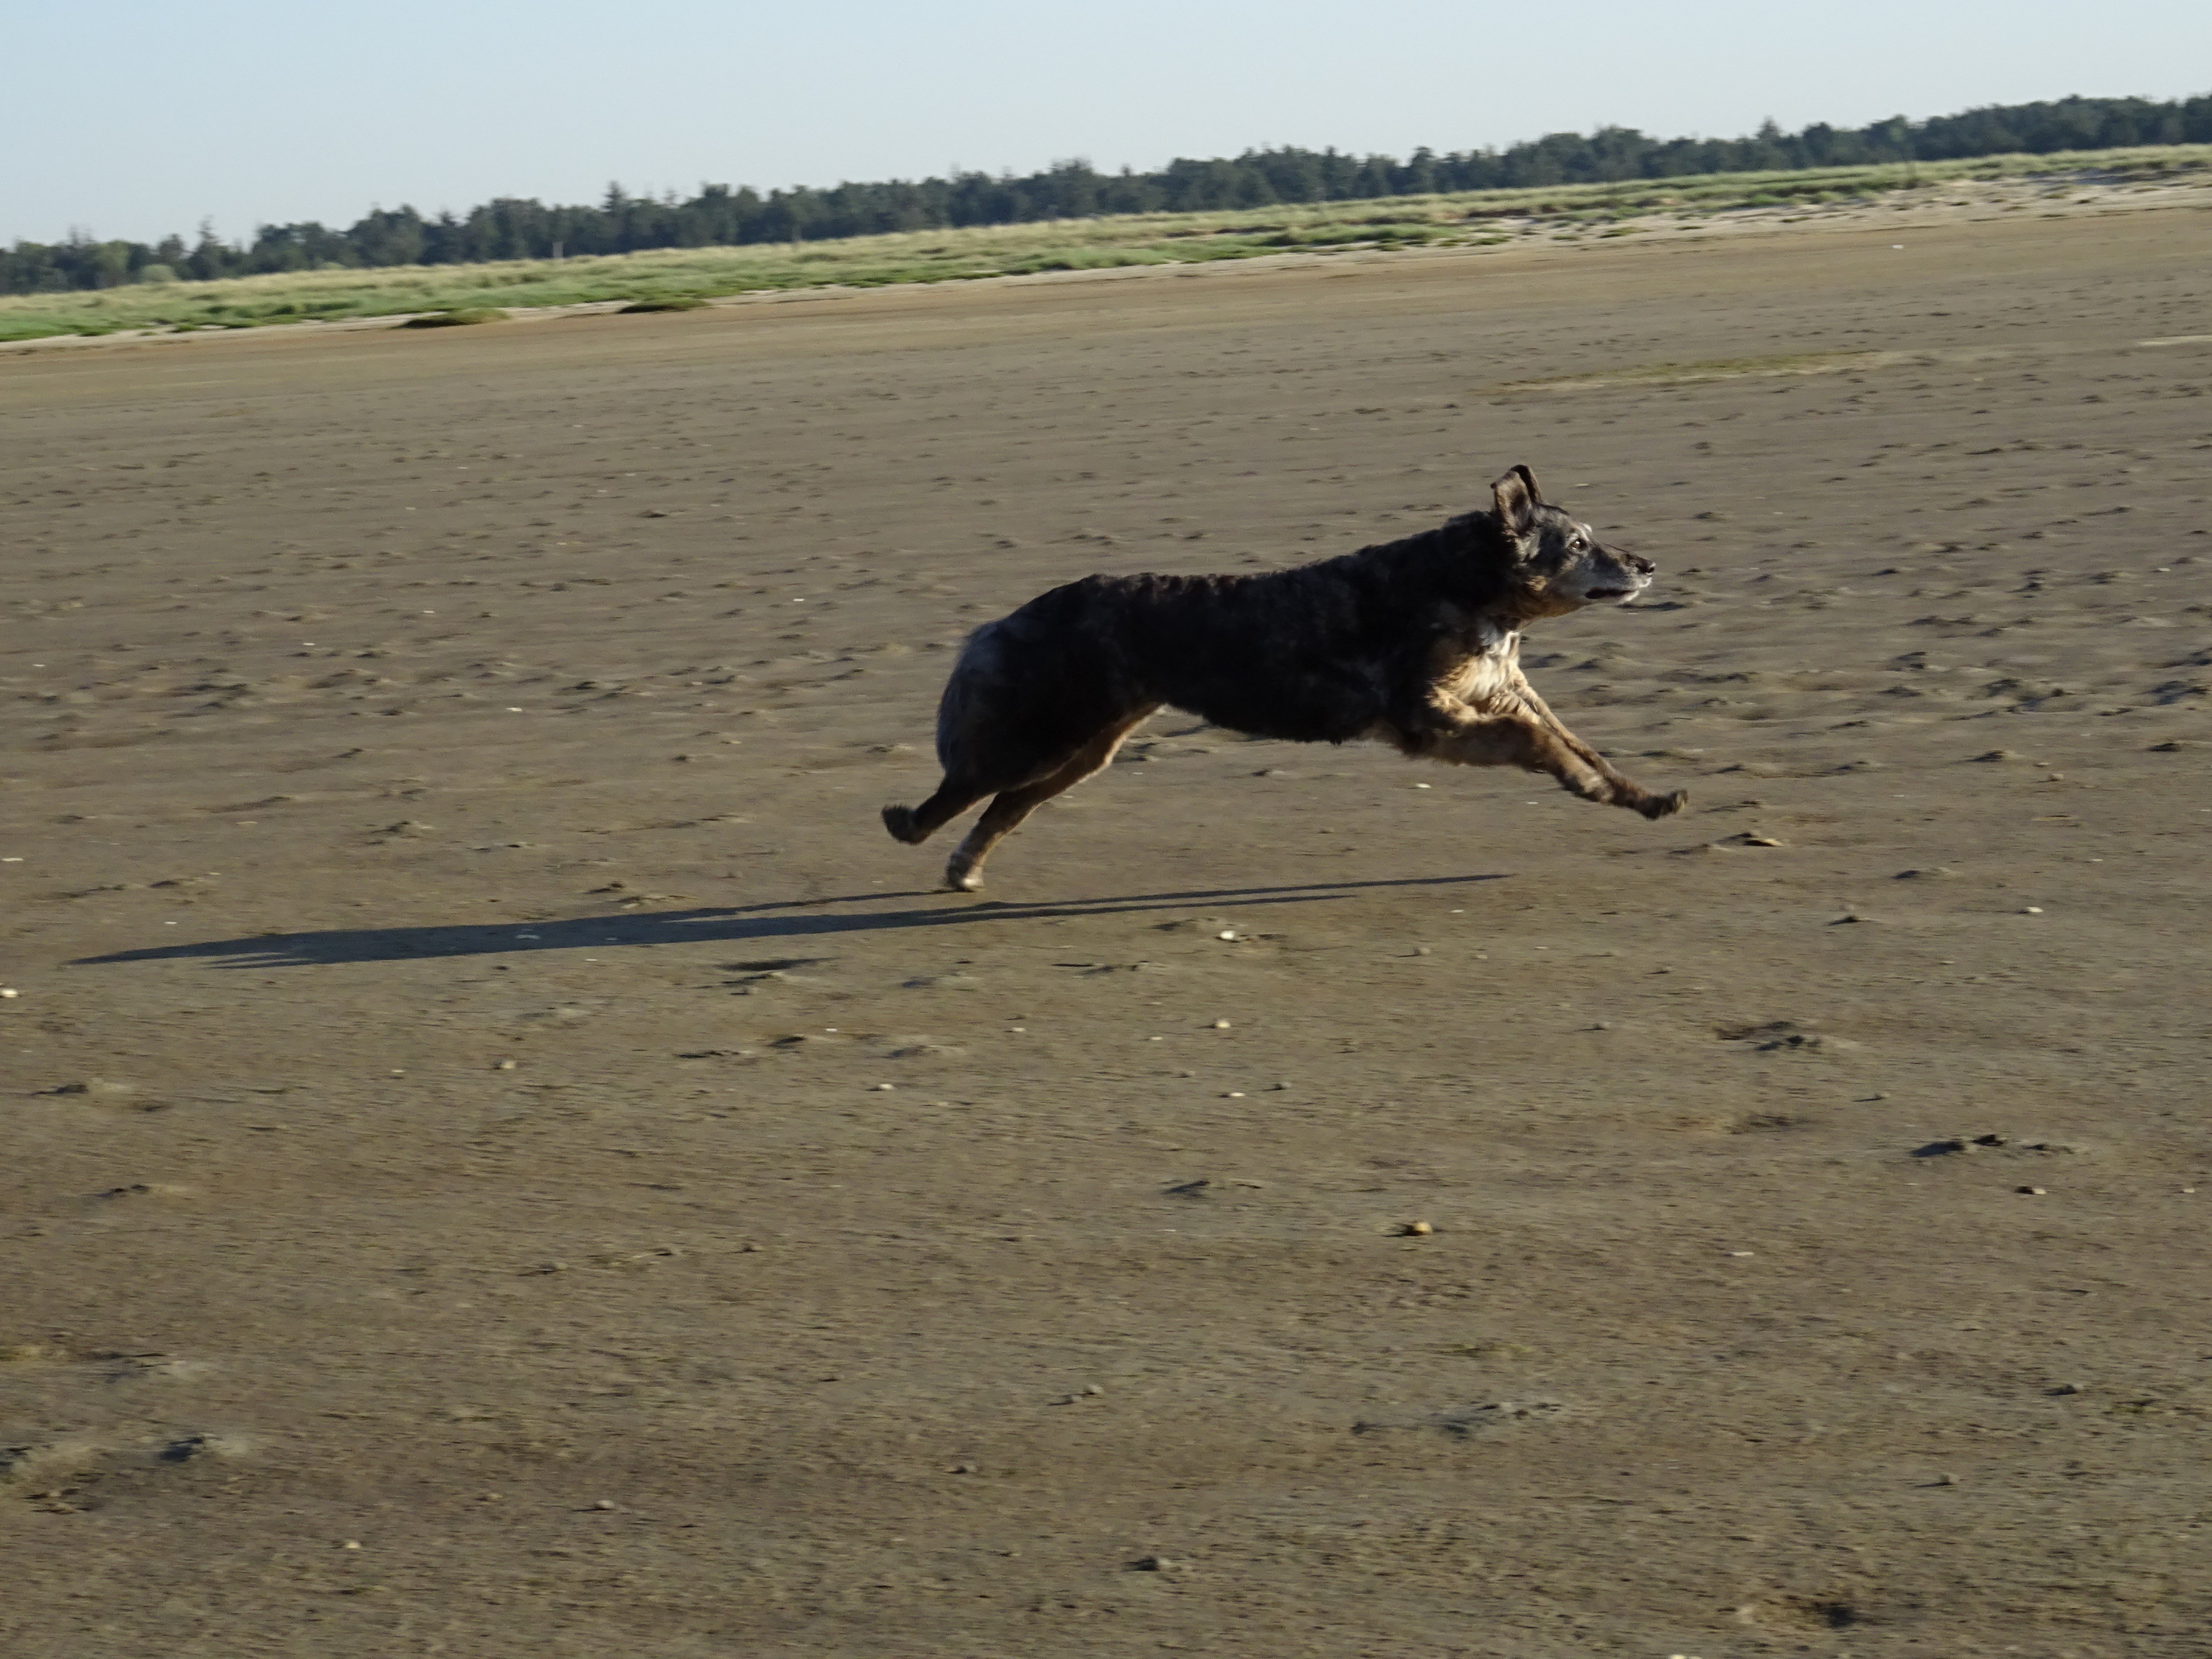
pixel 780 919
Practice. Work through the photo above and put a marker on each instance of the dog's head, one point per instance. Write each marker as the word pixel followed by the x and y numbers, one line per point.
pixel 1558 563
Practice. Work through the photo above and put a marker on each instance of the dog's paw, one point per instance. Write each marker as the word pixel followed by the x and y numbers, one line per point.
pixel 1663 807
pixel 958 878
pixel 899 820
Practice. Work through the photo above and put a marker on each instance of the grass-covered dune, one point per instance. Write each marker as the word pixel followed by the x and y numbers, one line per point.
pixel 664 278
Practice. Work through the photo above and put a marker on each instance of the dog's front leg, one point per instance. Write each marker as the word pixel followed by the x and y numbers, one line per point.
pixel 1505 738
pixel 1626 792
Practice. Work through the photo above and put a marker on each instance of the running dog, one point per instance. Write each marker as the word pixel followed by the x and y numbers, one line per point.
pixel 1415 643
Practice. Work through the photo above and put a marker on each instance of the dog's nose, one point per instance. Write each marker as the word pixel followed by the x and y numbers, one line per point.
pixel 1639 564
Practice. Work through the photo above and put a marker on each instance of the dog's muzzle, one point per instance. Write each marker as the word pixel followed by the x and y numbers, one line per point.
pixel 1620 594
pixel 1641 570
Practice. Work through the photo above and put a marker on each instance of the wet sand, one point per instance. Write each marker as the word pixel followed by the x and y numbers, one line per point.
pixel 505 1155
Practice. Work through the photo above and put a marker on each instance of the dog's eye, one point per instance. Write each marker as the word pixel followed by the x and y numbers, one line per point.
pixel 1576 545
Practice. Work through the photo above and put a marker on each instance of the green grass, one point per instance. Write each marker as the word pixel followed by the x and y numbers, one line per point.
pixel 673 278
pixel 461 318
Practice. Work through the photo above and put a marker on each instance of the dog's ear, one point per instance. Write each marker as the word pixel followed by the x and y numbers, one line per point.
pixel 1517 500
pixel 1529 478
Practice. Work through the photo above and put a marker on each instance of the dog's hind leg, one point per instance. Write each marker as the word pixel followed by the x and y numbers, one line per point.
pixel 970 777
pixel 917 824
pixel 983 743
pixel 1003 816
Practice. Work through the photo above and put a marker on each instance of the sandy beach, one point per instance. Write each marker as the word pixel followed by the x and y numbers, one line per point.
pixel 506 1156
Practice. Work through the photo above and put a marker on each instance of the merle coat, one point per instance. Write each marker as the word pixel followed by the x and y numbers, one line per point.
pixel 1414 642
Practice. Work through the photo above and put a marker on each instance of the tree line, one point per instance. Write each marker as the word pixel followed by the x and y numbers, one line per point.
pixel 719 216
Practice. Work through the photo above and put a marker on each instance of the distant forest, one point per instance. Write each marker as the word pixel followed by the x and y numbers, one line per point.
pixel 722 217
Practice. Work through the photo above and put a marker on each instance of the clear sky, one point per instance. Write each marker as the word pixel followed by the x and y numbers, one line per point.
pixel 132 119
